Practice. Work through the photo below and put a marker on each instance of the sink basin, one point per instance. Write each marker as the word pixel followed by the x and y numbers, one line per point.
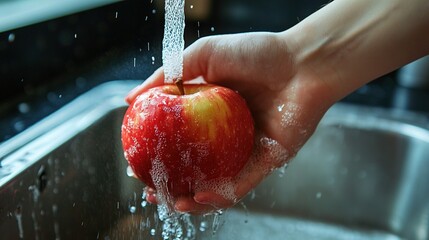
pixel 364 174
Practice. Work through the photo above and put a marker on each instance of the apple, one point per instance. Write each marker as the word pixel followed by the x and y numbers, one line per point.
pixel 186 139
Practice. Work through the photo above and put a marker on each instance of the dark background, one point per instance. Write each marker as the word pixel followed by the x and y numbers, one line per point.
pixel 45 65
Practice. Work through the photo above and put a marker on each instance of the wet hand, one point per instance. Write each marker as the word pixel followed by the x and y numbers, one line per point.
pixel 287 101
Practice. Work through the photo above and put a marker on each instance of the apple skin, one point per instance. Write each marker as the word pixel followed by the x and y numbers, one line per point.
pixel 188 140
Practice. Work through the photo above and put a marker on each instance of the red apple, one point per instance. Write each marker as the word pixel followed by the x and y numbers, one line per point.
pixel 187 140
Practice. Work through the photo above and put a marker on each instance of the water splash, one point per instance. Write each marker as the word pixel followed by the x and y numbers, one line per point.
pixel 216 221
pixel 203 226
pixel 282 170
pixel 18 216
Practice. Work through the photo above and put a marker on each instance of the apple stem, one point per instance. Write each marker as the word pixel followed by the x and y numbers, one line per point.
pixel 179 84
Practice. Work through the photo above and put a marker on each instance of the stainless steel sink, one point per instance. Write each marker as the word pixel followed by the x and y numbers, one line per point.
pixel 363 175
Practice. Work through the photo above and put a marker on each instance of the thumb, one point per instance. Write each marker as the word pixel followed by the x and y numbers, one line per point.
pixel 196 59
pixel 156 79
pixel 195 62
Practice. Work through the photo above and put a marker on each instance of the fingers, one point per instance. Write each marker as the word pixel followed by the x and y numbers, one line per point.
pixel 188 205
pixel 195 64
pixel 213 199
pixel 196 58
pixel 201 203
pixel 156 79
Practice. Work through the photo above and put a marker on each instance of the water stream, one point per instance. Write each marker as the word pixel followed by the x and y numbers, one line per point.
pixel 173 42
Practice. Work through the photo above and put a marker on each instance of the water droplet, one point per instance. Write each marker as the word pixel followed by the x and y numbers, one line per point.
pixel 212 29
pixel 75 35
pixel 11 37
pixel 152 232
pixel 146 18
pixel 144 203
pixel 153 11
pixel 116 15
pixel 192 6
pixel 203 226
pixel 23 108
pixel 130 172
pixel 252 194
pixel 133 209
pixel 282 170
pixel 19 126
pixel 54 209
pixel 280 107
pixel 134 64
pixel 318 195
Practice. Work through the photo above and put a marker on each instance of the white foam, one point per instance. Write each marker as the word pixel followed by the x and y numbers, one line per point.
pixel 267 155
pixel 277 153
pixel 160 178
pixel 290 114
pixel 221 186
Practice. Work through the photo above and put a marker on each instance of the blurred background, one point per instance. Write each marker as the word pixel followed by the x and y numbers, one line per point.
pixel 51 51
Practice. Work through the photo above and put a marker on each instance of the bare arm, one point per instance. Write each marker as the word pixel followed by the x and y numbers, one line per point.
pixel 290 79
pixel 352 42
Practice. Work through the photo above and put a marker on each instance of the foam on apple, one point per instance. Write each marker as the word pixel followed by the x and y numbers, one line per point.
pixel 201 139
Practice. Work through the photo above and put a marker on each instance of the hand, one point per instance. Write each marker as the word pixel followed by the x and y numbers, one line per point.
pixel 287 101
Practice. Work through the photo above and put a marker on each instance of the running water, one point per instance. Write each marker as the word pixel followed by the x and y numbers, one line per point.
pixel 176 225
pixel 174 42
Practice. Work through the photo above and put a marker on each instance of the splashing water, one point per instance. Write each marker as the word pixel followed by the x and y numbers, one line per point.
pixel 18 216
pixel 173 42
pixel 174 224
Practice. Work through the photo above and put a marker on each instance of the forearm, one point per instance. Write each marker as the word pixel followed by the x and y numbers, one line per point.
pixel 351 42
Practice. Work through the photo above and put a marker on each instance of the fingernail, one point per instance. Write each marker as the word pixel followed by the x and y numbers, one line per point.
pixel 181 208
pixel 204 200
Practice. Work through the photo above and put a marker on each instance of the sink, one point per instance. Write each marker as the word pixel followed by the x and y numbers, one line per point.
pixel 364 174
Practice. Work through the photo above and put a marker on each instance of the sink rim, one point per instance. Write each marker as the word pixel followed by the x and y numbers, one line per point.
pixel 410 124
pixel 23 150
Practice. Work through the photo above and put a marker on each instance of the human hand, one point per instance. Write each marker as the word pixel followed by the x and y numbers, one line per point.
pixel 286 101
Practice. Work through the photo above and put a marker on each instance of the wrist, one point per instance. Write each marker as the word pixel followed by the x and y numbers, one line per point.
pixel 314 70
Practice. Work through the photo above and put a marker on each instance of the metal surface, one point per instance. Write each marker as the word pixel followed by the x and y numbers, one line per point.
pixel 415 74
pixel 363 175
